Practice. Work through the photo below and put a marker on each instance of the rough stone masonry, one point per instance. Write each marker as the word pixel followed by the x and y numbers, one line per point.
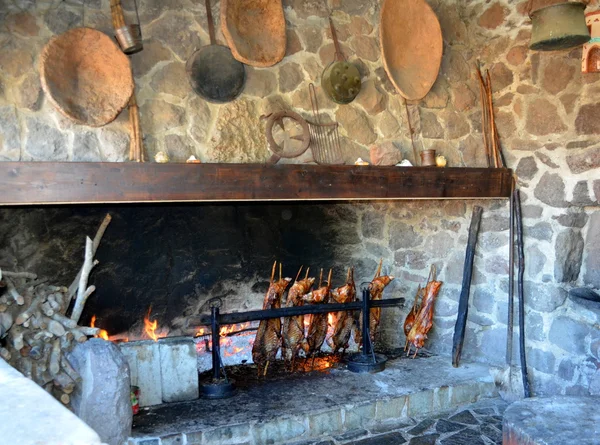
pixel 547 116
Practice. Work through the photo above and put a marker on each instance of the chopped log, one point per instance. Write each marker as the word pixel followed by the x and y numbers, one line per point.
pixel 66 341
pixel 3 307
pixel 65 321
pixel 463 303
pixel 37 351
pixel 47 309
pixel 5 354
pixel 56 328
pixel 90 332
pixel 54 302
pixel 25 351
pixel 18 340
pixel 43 335
pixel 27 313
pixel 6 321
pixel 78 336
pixel 28 275
pixel 54 364
pixel 26 367
pixel 99 234
pixel 66 366
pixel 12 291
pixel 65 398
pixel 64 382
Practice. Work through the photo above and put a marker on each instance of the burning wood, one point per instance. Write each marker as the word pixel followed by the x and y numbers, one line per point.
pixel 37 330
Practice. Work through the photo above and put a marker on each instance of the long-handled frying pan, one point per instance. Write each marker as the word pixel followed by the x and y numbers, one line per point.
pixel 214 73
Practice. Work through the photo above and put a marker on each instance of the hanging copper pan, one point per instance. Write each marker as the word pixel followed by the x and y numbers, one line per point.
pixel 86 76
pixel 411 46
pixel 254 30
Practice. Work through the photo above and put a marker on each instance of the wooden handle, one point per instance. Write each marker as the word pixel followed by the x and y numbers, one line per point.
pixel 211 24
pixel 116 12
pixel 338 50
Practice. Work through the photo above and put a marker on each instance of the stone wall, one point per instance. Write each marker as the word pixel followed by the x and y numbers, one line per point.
pixel 547 119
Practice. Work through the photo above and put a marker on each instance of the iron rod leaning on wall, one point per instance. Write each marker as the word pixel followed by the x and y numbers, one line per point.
pixel 511 279
pixel 521 268
pixel 463 302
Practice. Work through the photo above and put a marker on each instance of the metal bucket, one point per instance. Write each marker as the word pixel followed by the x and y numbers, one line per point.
pixel 559 26
pixel 130 38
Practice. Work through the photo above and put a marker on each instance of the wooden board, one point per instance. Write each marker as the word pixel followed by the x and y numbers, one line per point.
pixel 39 183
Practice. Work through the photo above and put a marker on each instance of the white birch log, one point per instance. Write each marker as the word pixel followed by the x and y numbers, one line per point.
pixel 73 288
pixel 54 363
pixel 27 313
pixel 65 321
pixel 12 291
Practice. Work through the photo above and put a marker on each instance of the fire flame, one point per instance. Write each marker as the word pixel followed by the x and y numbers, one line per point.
pixel 330 319
pixel 102 334
pixel 150 326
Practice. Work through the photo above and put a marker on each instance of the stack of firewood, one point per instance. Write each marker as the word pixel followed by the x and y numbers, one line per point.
pixel 39 323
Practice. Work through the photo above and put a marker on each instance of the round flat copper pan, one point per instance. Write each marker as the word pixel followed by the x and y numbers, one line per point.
pixel 86 76
pixel 411 46
pixel 254 30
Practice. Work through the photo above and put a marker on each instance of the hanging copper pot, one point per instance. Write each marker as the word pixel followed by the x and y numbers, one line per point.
pixel 558 26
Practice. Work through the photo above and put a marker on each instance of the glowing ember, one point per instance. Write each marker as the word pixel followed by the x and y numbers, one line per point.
pixel 330 319
pixel 150 326
pixel 102 334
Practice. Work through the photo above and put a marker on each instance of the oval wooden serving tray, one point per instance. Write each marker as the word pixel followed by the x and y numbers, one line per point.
pixel 411 46
pixel 254 30
pixel 86 76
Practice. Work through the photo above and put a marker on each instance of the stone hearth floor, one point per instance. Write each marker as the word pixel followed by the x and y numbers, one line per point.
pixel 338 407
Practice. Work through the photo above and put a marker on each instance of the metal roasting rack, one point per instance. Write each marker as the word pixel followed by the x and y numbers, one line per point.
pixel 364 361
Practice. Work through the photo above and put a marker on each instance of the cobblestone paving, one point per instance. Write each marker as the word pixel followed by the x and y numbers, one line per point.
pixel 476 424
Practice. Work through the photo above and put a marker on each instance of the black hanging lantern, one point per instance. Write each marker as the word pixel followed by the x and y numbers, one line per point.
pixel 129 36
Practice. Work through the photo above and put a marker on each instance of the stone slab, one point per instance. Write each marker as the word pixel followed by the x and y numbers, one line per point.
pixel 282 406
pixel 103 398
pixel 178 368
pixel 144 365
pixel 554 420
pixel 31 416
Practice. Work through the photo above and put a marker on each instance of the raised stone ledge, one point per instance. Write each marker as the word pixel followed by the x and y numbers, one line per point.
pixel 31 416
pixel 552 421
pixel 307 407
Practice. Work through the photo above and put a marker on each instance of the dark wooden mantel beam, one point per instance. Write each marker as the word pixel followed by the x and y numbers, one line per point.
pixel 42 183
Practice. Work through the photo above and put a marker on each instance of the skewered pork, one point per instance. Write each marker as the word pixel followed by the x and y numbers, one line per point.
pixel 412 315
pixel 344 320
pixel 376 288
pixel 424 320
pixel 268 336
pixel 317 330
pixel 293 327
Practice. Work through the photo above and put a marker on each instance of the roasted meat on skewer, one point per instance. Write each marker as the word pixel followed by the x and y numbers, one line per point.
pixel 268 336
pixel 424 320
pixel 293 327
pixel 412 315
pixel 344 320
pixel 317 329
pixel 376 288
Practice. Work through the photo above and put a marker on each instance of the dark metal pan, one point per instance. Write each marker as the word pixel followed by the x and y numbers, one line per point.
pixel 214 73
